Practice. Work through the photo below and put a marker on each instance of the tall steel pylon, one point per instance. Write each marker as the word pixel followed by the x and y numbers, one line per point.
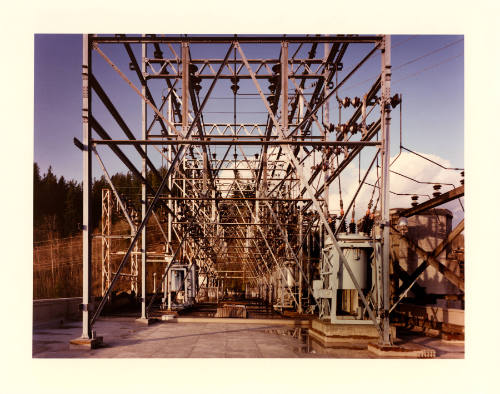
pixel 249 199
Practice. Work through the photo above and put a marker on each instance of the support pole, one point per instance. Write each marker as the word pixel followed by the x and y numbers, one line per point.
pixel 385 219
pixel 185 87
pixel 87 185
pixel 143 190
pixel 284 87
pixel 170 185
pixel 301 262
pixel 326 121
pixel 106 240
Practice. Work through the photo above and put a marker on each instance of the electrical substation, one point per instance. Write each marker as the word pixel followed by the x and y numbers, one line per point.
pixel 244 148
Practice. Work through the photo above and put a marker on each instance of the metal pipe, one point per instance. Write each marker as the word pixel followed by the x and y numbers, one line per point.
pixel 141 79
pixel 229 76
pixel 195 142
pixel 239 136
pixel 116 115
pixel 222 199
pixel 244 39
pixel 284 86
pixel 87 185
pixel 385 188
pixel 124 77
pixel 185 87
pixel 233 224
pixel 143 189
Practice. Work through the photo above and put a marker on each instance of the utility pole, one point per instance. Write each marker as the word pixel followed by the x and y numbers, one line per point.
pixel 385 116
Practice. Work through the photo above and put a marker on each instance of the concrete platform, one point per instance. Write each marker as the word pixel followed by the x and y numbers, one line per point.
pixel 327 332
pixel 146 322
pixel 363 338
pixel 92 343
pixel 123 338
pixel 409 350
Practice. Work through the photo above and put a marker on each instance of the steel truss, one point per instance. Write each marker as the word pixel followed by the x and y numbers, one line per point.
pixel 250 199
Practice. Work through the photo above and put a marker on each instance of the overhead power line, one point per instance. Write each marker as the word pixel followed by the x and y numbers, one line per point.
pixel 413 61
pixel 429 68
pixel 427 54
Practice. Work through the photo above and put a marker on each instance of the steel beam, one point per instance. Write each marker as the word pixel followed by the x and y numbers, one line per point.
pixel 434 202
pixel 208 141
pixel 124 77
pixel 222 199
pixel 241 39
pixel 185 87
pixel 119 153
pixel 385 116
pixel 229 76
pixel 143 188
pixel 118 118
pixel 431 260
pixel 87 185
pixel 147 93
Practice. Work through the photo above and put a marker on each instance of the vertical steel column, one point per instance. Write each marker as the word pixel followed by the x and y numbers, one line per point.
pixel 300 116
pixel 385 219
pixel 168 286
pixel 284 128
pixel 308 266
pixel 134 269
pixel 87 184
pixel 326 108
pixel 301 261
pixel 284 87
pixel 185 87
pixel 326 120
pixel 143 187
pixel 300 111
pixel 106 240
pixel 170 184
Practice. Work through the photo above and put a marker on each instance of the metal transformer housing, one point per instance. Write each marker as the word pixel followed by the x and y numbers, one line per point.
pixel 356 249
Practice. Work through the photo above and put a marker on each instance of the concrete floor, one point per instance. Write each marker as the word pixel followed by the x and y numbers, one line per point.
pixel 124 338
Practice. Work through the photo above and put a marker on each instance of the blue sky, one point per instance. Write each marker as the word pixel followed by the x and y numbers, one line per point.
pixel 432 87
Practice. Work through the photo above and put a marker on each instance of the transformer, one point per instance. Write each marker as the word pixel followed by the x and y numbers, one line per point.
pixel 336 292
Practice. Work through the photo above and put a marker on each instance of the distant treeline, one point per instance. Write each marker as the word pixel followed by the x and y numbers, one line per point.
pixel 57 202
pixel 56 206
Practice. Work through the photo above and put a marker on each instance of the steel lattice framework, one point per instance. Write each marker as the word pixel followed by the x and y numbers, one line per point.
pixel 237 198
